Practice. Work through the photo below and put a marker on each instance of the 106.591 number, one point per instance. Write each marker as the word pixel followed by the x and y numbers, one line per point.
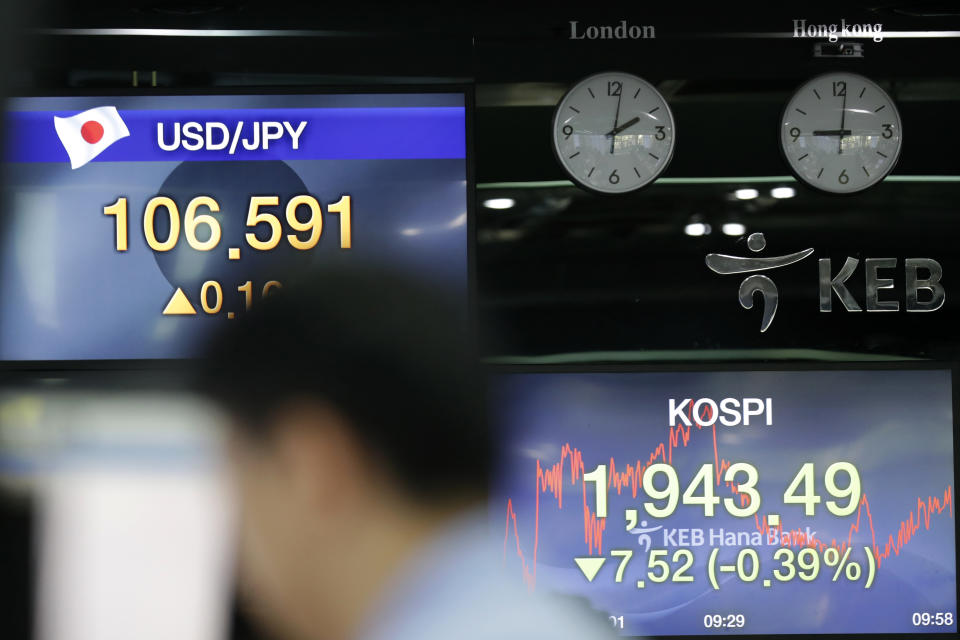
pixel 193 221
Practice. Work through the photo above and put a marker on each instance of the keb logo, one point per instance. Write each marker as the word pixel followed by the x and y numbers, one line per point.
pixel 923 290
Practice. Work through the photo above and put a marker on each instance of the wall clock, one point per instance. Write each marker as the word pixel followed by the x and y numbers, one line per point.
pixel 613 133
pixel 841 133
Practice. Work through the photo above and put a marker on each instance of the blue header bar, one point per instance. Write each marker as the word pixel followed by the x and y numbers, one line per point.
pixel 255 134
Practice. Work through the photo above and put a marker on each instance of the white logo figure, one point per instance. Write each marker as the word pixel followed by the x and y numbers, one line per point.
pixel 756 242
pixel 87 134
pixel 644 535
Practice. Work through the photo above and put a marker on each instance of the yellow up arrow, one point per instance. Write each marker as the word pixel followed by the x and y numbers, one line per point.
pixel 179 305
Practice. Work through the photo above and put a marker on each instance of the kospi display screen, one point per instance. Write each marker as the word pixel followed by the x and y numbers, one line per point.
pixel 740 502
pixel 133 225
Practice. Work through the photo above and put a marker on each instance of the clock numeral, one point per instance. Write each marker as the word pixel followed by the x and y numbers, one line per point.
pixel 567 130
pixel 614 87
pixel 840 88
pixel 887 131
pixel 843 178
pixel 795 132
pixel 660 135
pixel 614 178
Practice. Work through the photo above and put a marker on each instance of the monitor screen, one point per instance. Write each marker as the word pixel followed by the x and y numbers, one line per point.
pixel 133 225
pixel 133 511
pixel 742 502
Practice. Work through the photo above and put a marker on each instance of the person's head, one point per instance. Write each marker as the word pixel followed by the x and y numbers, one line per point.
pixel 357 409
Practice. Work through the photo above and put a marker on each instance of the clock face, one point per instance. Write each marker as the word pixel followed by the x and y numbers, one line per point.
pixel 613 132
pixel 841 133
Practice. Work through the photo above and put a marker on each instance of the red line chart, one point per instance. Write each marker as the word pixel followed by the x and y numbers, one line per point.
pixel 550 480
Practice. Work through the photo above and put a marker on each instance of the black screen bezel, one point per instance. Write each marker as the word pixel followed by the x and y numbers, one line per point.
pixel 686 367
pixel 173 364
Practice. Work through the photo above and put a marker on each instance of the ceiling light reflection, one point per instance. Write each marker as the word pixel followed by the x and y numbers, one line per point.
pixel 697 229
pixel 499 203
pixel 733 229
pixel 783 192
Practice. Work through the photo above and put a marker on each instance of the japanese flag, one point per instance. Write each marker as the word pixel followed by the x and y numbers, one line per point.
pixel 87 134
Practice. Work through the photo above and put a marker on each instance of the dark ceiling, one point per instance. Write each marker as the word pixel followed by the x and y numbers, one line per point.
pixel 491 42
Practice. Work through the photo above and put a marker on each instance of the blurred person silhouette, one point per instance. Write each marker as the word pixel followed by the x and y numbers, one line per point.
pixel 362 457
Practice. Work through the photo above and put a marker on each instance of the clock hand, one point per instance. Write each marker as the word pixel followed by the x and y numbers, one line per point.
pixel 625 125
pixel 843 119
pixel 833 132
pixel 616 119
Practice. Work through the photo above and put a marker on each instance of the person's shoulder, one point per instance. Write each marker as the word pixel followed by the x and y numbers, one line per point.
pixel 544 616
pixel 489 609
pixel 462 590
